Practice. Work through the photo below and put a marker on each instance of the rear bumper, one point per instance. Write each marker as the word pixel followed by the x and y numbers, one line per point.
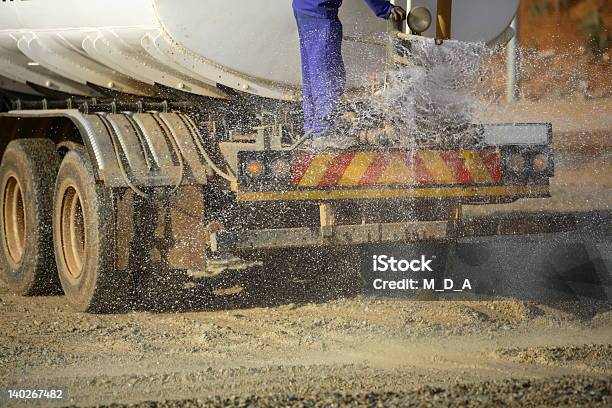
pixel 228 241
pixel 511 224
pixel 458 192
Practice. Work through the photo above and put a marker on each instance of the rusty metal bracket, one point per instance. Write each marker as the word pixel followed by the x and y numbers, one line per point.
pixel 444 20
pixel 327 215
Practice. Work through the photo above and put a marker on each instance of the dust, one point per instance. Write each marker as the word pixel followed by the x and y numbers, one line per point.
pixel 592 357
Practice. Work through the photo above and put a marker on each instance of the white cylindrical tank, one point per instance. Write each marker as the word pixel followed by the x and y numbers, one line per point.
pixel 194 45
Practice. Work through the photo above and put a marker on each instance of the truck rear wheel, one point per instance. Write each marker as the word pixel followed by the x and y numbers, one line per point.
pixel 84 237
pixel 27 176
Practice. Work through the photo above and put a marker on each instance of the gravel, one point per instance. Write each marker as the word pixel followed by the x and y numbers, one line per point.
pixel 565 391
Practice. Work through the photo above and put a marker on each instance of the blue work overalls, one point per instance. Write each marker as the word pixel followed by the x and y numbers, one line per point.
pixel 323 72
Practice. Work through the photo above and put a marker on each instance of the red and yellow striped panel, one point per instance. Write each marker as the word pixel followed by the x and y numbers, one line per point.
pixel 425 167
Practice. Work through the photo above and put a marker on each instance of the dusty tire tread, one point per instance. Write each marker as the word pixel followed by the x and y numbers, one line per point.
pixel 35 162
pixel 101 288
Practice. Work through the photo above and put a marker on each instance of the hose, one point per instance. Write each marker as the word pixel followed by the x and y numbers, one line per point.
pixel 229 177
pixel 306 136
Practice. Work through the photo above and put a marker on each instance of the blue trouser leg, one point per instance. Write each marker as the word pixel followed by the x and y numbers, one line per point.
pixel 323 72
pixel 309 107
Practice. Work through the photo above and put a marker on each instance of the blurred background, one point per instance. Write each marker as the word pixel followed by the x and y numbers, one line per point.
pixel 565 50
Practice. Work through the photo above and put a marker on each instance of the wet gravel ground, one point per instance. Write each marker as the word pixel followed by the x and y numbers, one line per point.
pixel 566 391
pixel 355 351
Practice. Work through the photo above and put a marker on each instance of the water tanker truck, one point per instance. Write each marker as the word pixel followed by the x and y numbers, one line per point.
pixel 142 135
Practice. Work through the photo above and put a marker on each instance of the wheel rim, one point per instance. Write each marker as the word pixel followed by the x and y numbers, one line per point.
pixel 14 219
pixel 72 225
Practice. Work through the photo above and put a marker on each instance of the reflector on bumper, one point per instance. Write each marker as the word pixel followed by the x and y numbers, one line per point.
pixel 424 167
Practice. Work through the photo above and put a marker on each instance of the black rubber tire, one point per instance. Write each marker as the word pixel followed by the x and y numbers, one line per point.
pixel 99 288
pixel 33 164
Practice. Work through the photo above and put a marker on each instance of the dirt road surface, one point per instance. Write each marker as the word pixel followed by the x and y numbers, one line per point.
pixel 312 341
pixel 421 351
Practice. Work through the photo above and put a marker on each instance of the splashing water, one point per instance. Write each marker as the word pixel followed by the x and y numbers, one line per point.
pixel 429 101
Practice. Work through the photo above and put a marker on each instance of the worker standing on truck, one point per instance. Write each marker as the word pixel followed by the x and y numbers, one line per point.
pixel 323 72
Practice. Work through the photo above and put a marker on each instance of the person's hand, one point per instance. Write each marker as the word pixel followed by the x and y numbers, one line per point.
pixel 398 14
